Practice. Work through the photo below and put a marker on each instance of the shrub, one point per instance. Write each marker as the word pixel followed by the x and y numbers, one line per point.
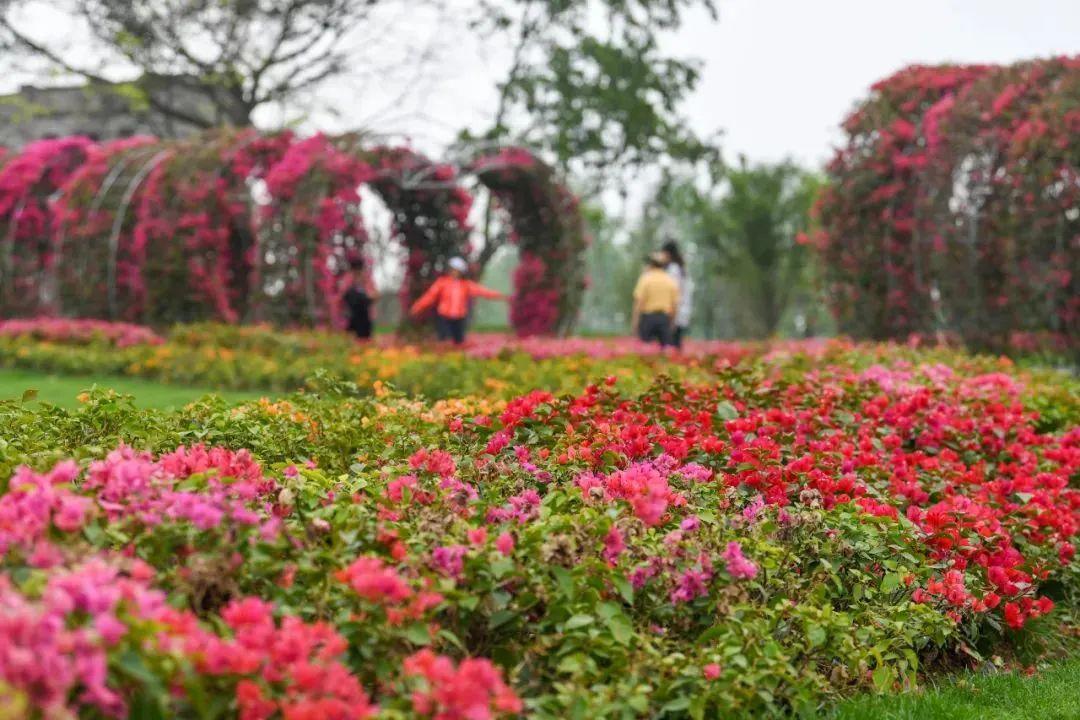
pixel 756 542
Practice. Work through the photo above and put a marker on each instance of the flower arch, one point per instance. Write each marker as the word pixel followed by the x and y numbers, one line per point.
pixel 549 229
pixel 954 207
pixel 239 226
pixel 430 212
pixel 98 261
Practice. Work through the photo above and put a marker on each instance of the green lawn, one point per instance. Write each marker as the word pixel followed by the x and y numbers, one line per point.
pixel 1050 695
pixel 63 389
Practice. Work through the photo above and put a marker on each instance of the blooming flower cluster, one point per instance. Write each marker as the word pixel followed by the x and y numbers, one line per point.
pixel 77 332
pixel 825 522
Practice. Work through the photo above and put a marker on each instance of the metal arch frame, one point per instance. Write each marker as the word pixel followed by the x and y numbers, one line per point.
pixel 460 160
pixel 118 222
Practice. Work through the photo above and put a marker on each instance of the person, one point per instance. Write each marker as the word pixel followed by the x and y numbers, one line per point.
pixel 656 297
pixel 359 298
pixel 676 268
pixel 451 295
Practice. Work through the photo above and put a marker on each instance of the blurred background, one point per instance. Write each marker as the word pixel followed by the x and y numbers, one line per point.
pixel 706 122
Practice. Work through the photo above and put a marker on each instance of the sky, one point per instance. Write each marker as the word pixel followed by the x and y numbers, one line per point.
pixel 778 76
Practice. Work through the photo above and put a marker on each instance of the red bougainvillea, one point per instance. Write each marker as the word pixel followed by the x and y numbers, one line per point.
pixel 547 226
pixel 953 207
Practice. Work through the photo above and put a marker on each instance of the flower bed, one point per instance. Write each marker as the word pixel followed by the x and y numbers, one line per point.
pixel 757 541
pixel 79 332
pixel 260 357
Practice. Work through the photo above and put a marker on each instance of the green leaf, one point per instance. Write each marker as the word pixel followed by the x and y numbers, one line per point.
pixel 452 639
pixel 417 634
pixel 608 610
pixel 565 581
pixel 500 618
pixel 501 567
pixel 579 621
pixel 676 705
pixel 726 411
pixel 621 629
pixel 626 590
pixel 816 635
pixel 882 678
pixel 890 582
pixel 572 664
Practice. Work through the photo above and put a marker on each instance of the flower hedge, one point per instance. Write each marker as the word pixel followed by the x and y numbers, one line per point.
pixel 754 542
pixel 236 226
pixel 954 207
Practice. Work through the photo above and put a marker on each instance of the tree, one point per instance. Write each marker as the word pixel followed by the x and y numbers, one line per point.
pixel 589 86
pixel 596 94
pixel 748 229
pixel 613 264
pixel 234 55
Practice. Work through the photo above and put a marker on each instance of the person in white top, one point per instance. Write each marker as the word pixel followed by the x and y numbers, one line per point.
pixel 676 267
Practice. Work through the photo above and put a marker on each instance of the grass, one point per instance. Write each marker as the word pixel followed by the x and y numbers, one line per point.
pixel 63 390
pixel 1050 695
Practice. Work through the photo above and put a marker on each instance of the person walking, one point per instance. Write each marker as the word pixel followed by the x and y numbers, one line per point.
pixel 450 295
pixel 656 298
pixel 359 299
pixel 676 268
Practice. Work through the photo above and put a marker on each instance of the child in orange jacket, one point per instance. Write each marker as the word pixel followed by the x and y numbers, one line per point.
pixel 450 295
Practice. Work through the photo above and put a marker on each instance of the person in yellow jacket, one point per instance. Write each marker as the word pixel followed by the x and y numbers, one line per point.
pixel 656 298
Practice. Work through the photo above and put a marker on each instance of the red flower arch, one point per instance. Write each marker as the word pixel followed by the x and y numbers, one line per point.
pixel 548 228
pixel 954 207
pixel 238 226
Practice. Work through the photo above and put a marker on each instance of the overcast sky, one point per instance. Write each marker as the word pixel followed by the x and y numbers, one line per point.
pixel 777 77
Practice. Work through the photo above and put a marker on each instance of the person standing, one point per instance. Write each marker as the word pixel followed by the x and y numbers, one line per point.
pixel 359 298
pixel 451 296
pixel 676 267
pixel 656 298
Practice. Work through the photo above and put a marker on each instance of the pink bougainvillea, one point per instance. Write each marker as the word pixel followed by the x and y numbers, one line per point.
pixel 548 227
pixel 237 226
pixel 28 181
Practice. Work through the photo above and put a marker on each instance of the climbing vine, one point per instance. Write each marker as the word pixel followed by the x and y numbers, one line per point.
pixel 549 230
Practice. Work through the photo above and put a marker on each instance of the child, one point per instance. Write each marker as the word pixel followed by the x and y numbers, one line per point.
pixel 359 298
pixel 451 295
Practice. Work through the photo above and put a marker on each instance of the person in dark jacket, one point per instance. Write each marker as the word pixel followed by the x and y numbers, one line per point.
pixel 359 298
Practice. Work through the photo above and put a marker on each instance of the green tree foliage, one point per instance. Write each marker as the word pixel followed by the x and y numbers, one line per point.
pixel 614 261
pixel 589 83
pixel 587 80
pixel 745 231
pixel 234 55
